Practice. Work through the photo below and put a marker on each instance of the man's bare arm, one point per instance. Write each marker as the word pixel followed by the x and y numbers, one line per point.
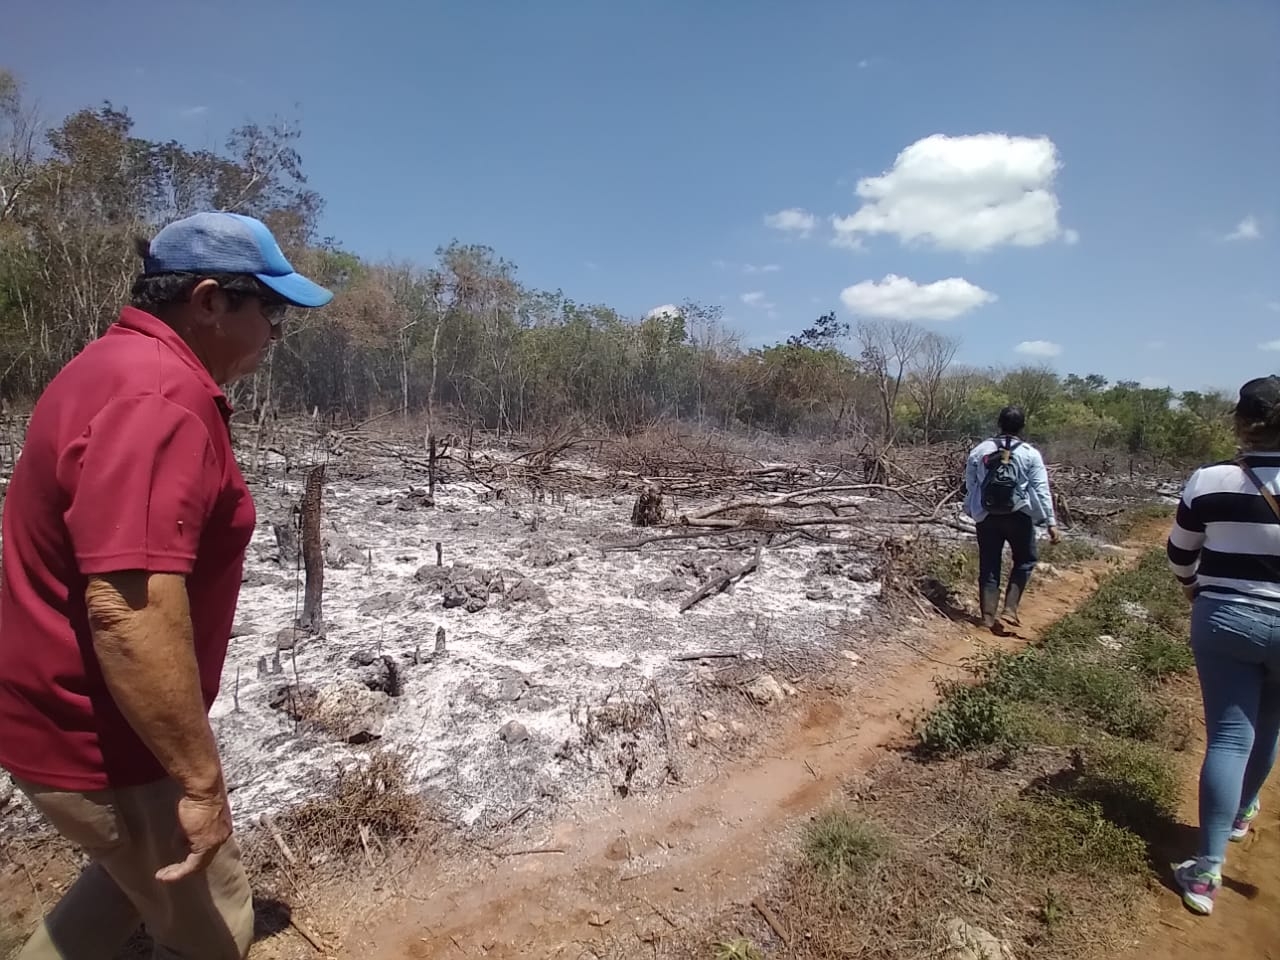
pixel 142 636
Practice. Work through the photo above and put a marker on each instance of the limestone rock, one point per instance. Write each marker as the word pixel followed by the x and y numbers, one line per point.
pixel 969 942
pixel 514 732
pixel 765 690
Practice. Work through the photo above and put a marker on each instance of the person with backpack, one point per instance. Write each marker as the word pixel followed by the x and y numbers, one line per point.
pixel 1007 496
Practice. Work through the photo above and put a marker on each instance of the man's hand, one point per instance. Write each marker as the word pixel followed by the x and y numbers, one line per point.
pixel 1054 535
pixel 205 824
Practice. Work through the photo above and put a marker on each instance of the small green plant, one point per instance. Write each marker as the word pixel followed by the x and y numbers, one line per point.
pixel 1157 654
pixel 739 949
pixel 1067 553
pixel 968 717
pixel 1053 911
pixel 842 847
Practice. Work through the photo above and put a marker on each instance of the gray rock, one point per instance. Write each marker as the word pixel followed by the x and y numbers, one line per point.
pixel 6 791
pixel 244 630
pixel 513 732
pixel 455 595
pixel 383 674
pixel 512 689
pixel 525 591
pixel 818 593
pixel 433 576
pixel 350 711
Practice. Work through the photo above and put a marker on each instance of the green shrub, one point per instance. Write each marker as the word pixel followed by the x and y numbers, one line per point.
pixel 968 717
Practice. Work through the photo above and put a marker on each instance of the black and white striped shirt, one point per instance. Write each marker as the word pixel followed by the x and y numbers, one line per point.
pixel 1226 540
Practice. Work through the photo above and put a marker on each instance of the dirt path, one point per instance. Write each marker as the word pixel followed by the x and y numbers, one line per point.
pixel 1246 919
pixel 649 864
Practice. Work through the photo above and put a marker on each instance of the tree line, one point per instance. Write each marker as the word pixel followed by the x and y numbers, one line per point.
pixel 463 337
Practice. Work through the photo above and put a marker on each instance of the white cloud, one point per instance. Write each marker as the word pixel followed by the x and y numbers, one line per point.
pixel 665 310
pixel 1246 229
pixel 756 299
pixel 762 268
pixel 1070 237
pixel 900 298
pixel 193 111
pixel 792 220
pixel 1153 383
pixel 962 193
pixel 1272 345
pixel 1038 348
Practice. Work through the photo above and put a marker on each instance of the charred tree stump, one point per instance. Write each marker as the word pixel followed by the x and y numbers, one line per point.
pixel 313 552
pixel 649 510
pixel 431 469
pixel 286 542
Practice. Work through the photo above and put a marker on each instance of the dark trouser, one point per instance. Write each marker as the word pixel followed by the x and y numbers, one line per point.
pixel 1019 531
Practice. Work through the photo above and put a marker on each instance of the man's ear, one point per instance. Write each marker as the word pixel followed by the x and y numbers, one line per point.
pixel 207 298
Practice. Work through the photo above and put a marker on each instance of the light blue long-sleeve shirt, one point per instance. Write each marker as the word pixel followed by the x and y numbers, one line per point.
pixel 1032 494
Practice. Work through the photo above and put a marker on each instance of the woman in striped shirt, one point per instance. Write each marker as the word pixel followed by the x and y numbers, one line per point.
pixel 1225 551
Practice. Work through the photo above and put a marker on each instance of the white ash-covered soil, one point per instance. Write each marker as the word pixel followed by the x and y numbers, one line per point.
pixel 569 646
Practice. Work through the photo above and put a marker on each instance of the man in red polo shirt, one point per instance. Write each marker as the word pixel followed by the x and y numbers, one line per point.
pixel 125 528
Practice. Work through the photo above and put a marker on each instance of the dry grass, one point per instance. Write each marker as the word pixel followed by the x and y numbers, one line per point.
pixel 367 814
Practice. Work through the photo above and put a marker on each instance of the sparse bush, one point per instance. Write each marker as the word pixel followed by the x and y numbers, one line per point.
pixel 968 717
pixel 1067 553
pixel 842 847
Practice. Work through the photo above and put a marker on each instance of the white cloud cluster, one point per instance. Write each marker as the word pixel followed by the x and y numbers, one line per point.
pixel 900 298
pixel 792 220
pixel 1038 348
pixel 756 298
pixel 968 193
pixel 1271 345
pixel 1246 229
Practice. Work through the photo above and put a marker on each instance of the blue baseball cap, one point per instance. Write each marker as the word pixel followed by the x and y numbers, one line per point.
pixel 218 242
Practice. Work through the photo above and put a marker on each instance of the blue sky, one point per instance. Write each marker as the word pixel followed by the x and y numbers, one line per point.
pixel 633 153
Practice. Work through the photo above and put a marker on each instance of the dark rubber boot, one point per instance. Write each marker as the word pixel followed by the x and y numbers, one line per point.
pixel 989 599
pixel 1012 598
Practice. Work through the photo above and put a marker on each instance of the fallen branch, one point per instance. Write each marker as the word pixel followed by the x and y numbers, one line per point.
pixel 713 587
pixel 278 837
pixel 307 935
pixel 774 924
pixel 707 655
pixel 673 765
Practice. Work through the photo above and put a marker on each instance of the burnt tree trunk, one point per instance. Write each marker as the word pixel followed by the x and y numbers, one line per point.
pixel 313 552
pixel 431 469
pixel 648 510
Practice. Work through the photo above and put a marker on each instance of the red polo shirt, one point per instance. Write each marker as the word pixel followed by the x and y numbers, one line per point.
pixel 127 465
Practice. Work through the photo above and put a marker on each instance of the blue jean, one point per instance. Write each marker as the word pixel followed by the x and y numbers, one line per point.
pixel 1237 651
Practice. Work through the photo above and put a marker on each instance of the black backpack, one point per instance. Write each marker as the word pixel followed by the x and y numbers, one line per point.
pixel 1000 484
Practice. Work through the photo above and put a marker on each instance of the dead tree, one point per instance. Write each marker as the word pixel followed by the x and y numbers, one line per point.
pixel 313 552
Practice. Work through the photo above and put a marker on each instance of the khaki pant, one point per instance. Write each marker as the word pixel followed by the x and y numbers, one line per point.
pixel 130 834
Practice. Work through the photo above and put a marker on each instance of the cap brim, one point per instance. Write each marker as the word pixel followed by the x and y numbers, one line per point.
pixel 297 289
